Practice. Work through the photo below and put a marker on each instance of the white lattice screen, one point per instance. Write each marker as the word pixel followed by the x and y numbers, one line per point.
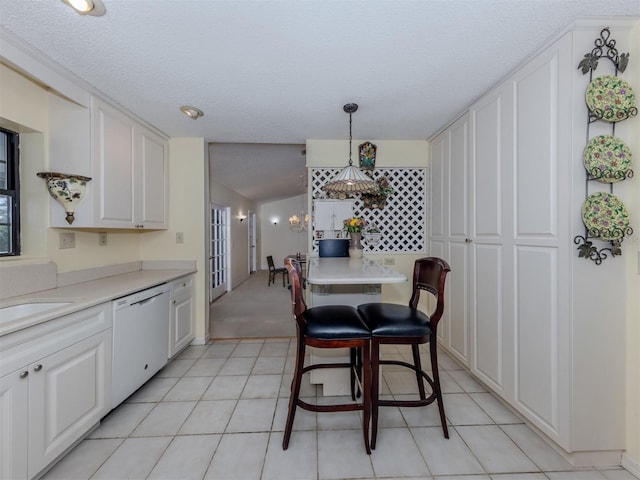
pixel 402 221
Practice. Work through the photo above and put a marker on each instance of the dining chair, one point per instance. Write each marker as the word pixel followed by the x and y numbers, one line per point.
pixel 406 325
pixel 273 271
pixel 329 326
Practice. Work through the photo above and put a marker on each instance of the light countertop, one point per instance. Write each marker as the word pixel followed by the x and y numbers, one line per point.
pixel 86 294
pixel 349 271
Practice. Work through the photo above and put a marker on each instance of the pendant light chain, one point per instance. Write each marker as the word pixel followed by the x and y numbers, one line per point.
pixel 350 139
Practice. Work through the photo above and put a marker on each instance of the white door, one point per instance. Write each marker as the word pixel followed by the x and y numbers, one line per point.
pixel 218 255
pixel 252 243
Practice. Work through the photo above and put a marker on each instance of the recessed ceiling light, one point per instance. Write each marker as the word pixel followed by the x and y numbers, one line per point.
pixel 191 112
pixel 87 7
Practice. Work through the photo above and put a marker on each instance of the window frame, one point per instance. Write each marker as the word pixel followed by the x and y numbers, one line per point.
pixel 13 191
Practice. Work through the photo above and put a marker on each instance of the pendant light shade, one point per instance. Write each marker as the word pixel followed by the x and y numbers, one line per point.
pixel 351 179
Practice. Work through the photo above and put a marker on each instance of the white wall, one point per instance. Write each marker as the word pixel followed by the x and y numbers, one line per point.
pixel 279 240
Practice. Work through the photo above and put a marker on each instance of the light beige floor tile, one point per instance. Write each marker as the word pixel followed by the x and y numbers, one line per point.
pixel 134 459
pixel 427 416
pixel 238 366
pixel 206 367
pixel 262 386
pixel 466 381
pixel 188 388
pixel 446 456
pixel 84 460
pixel 463 477
pixel 186 458
pixel 303 419
pixel 460 409
pixel 545 457
pixel 122 421
pixel 192 351
pixel 576 475
pixel 239 456
pixel 176 368
pixel 220 349
pixel 518 476
pixel 341 454
pixel 209 417
pixel 298 462
pixel 617 474
pixel 225 387
pixel 390 417
pixel 338 420
pixel 165 419
pixel 247 349
pixel 275 348
pixel 493 407
pixel 269 365
pixel 495 450
pixel 397 454
pixel 154 390
pixel 252 415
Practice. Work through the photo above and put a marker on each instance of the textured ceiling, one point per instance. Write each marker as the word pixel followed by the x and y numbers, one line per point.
pixel 279 72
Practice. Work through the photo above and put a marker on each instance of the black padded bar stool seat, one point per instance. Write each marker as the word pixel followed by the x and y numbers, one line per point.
pixel 329 326
pixel 406 325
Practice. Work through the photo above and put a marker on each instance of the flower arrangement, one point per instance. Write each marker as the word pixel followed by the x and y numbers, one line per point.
pixel 354 224
pixel 378 198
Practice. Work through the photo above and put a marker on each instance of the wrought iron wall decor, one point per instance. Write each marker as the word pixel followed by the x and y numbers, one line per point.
pixel 607 159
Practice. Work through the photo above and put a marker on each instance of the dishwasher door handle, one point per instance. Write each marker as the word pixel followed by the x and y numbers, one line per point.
pixel 147 300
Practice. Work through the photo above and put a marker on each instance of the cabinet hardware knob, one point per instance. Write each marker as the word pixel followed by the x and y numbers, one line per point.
pixel 467 240
pixel 37 368
pixel 24 374
pixel 174 302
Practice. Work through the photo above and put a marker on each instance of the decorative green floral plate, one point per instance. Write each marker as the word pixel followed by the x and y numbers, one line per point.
pixel 607 159
pixel 605 216
pixel 610 98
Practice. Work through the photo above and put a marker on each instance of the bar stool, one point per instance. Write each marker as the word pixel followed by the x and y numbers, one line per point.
pixel 406 325
pixel 328 326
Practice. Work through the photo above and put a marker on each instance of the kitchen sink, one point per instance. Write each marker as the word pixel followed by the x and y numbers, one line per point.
pixel 15 312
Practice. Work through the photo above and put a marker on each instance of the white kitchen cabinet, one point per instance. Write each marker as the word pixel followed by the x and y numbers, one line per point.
pixel 505 215
pixel 182 319
pixel 330 214
pixel 129 169
pixel 55 382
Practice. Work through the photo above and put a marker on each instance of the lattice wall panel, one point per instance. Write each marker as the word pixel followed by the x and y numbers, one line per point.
pixel 402 221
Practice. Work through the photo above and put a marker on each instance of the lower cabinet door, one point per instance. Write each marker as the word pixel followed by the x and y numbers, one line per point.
pixel 68 393
pixel 182 323
pixel 14 402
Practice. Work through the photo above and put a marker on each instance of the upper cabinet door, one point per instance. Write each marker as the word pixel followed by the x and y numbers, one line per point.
pixel 153 168
pixel 114 167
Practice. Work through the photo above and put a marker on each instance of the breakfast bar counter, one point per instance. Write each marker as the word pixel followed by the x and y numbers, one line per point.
pixel 343 281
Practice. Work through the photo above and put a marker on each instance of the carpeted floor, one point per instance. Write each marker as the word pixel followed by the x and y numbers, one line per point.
pixel 253 310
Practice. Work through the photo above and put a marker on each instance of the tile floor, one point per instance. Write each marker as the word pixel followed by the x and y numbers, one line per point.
pixel 218 412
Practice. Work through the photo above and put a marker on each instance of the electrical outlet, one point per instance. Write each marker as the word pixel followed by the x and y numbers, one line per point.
pixel 67 240
pixel 389 261
pixel 179 237
pixel 102 239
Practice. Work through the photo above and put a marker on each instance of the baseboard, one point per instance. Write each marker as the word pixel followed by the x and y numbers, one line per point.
pixel 630 465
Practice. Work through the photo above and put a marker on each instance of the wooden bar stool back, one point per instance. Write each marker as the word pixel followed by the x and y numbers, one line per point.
pixel 406 325
pixel 328 326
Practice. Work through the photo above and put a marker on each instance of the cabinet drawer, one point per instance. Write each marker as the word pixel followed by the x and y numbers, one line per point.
pixel 181 286
pixel 26 346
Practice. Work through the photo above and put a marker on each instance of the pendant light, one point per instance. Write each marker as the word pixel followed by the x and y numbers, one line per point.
pixel 351 179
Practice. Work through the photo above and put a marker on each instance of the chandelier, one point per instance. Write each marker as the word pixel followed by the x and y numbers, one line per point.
pixel 299 223
pixel 350 179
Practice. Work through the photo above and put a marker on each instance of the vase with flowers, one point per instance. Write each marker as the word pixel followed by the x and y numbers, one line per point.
pixel 354 226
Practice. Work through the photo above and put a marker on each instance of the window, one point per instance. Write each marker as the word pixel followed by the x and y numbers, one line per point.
pixel 9 194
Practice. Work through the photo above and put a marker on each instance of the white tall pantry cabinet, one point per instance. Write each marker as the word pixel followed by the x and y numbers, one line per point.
pixel 541 327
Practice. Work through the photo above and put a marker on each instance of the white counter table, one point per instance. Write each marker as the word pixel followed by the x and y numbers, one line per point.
pixel 343 281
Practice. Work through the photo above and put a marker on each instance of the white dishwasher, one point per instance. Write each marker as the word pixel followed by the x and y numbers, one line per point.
pixel 140 339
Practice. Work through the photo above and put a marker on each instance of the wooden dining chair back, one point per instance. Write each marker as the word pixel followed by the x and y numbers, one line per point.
pixel 273 271
pixel 407 325
pixel 328 326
